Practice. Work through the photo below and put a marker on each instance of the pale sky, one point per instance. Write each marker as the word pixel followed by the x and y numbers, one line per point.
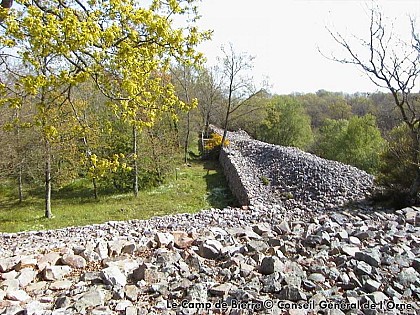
pixel 284 37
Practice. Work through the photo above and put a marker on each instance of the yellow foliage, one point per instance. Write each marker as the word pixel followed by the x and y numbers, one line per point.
pixel 50 132
pixel 100 166
pixel 215 141
pixel 125 45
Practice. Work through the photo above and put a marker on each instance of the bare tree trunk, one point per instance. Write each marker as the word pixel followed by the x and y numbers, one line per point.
pixel 95 188
pixel 397 70
pixel 135 168
pixel 207 123
pixel 20 184
pixel 155 158
pixel 187 139
pixel 225 130
pixel 19 175
pixel 228 111
pixel 48 213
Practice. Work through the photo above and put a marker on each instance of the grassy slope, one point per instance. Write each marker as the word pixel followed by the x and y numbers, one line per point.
pixel 200 186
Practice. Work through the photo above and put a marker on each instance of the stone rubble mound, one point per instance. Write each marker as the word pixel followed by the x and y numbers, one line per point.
pixel 273 174
pixel 230 261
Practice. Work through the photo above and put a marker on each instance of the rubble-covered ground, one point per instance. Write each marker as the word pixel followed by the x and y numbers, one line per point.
pixel 273 174
pixel 307 252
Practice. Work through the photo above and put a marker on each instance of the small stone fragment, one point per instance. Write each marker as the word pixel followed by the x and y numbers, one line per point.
pixel 164 239
pixel 350 250
pixel 371 286
pixel 7 264
pixel 210 249
pixel 49 259
pixel 52 273
pixel 261 228
pixel 26 276
pixel 221 290
pixel 370 256
pixel 317 277
pixel 291 293
pixel 182 240
pixel 363 268
pixel 270 264
pixel 74 261
pixel 114 276
pixel 17 295
pixel 90 299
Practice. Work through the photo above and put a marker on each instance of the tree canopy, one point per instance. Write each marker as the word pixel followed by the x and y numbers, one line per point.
pixel 123 47
pixel 286 124
pixel 356 141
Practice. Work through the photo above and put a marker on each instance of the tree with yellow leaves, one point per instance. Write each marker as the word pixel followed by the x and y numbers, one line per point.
pixel 122 46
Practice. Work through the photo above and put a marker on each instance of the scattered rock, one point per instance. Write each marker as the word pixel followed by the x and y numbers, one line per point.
pixel 17 295
pixel 290 293
pixel 363 268
pixel 52 273
pixel 408 276
pixel 270 264
pixel 350 250
pixel 317 277
pixel 295 241
pixel 182 240
pixel 210 249
pixel 113 276
pixel 282 228
pixel 49 259
pixel 221 290
pixel 371 285
pixel 370 256
pixel 74 261
pixel 7 264
pixel 93 298
pixel 60 285
pixel 26 276
pixel 164 239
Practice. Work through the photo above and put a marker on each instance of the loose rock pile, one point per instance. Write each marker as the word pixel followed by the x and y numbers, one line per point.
pixel 261 259
pixel 356 260
pixel 275 175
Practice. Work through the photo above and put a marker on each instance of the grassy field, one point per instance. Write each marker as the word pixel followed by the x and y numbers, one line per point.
pixel 199 186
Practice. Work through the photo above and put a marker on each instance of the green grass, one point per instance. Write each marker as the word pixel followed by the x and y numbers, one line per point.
pixel 198 186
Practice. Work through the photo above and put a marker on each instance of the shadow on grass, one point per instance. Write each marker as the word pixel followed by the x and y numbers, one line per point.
pixel 81 191
pixel 77 192
pixel 219 194
pixel 193 155
pixel 10 201
pixel 23 220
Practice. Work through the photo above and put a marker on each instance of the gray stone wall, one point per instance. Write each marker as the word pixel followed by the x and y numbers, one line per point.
pixel 262 174
pixel 233 167
pixel 233 178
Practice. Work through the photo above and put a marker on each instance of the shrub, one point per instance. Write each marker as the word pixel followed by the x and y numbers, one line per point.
pixel 398 170
pixel 215 141
pixel 265 180
pixel 286 124
pixel 287 195
pixel 357 142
